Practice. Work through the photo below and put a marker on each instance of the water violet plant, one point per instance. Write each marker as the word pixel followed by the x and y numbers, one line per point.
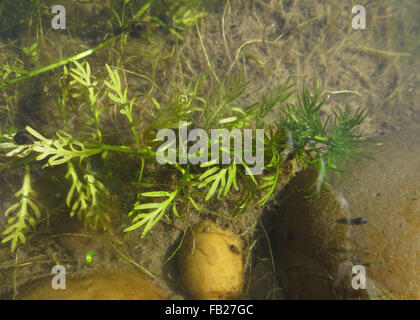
pixel 297 138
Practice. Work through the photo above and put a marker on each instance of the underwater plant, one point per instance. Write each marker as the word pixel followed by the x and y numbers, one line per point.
pixel 297 137
pixel 137 18
pixel 331 143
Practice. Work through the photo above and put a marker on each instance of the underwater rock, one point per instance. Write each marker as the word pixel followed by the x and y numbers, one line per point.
pixel 102 285
pixel 370 218
pixel 210 262
pixel 310 243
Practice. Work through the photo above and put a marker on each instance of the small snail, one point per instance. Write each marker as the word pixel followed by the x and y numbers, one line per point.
pixel 23 137
pixel 136 29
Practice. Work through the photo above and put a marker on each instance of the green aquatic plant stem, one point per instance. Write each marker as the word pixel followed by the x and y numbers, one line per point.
pixel 142 153
pixel 60 63
pixel 63 149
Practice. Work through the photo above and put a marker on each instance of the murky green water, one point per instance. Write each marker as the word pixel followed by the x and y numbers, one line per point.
pixel 161 47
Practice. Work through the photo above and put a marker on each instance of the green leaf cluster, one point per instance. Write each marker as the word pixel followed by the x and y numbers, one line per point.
pixel 86 204
pixel 327 143
pixel 22 218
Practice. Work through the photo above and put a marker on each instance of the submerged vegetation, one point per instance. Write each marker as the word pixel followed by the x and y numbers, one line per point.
pixel 298 123
pixel 295 134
